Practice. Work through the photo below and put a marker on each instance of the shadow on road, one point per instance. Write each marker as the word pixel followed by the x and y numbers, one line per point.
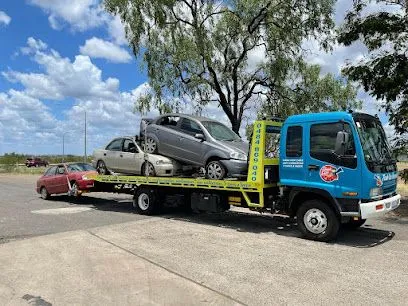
pixel 364 237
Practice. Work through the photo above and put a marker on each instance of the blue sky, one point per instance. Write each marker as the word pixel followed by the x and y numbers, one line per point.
pixel 60 58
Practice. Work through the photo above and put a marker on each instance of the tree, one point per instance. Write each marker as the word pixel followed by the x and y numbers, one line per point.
pixel 384 72
pixel 310 92
pixel 204 50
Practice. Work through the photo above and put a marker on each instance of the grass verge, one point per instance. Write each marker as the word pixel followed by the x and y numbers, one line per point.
pixel 17 169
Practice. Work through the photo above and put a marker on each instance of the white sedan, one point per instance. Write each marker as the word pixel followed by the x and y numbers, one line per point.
pixel 124 155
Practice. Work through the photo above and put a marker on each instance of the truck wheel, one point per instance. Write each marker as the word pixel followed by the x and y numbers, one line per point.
pixel 317 221
pixel 353 224
pixel 146 202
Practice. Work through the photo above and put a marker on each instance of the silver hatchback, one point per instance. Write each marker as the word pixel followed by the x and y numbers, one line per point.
pixel 198 141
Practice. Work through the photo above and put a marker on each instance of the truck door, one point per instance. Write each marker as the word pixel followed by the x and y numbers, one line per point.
pixel 292 156
pixel 339 175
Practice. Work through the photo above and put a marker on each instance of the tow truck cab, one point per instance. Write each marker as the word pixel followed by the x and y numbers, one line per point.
pixel 341 158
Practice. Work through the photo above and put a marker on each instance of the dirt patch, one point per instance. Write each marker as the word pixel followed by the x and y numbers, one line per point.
pixel 402 210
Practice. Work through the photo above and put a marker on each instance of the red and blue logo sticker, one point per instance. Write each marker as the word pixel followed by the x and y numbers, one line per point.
pixel 378 180
pixel 329 173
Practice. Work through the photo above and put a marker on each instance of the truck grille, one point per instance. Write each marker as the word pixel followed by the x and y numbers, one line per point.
pixel 388 189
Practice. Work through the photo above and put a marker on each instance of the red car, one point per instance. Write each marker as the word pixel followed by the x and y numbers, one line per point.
pixel 72 179
pixel 36 162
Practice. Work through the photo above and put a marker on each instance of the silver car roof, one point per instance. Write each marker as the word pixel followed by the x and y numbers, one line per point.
pixel 199 118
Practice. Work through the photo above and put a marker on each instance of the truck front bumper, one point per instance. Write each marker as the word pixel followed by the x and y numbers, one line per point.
pixel 379 208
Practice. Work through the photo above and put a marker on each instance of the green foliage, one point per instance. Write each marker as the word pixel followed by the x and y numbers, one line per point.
pixel 404 175
pixel 15 158
pixel 310 92
pixel 384 72
pixel 200 50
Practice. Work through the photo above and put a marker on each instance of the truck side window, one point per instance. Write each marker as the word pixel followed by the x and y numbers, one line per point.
pixel 323 142
pixel 294 141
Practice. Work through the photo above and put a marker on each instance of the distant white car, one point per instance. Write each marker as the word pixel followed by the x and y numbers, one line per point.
pixel 124 155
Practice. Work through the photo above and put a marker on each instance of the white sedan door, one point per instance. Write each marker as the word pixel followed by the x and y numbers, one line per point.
pixel 112 153
pixel 130 158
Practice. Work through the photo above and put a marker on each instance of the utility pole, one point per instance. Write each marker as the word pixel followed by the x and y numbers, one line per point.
pixel 85 140
pixel 63 146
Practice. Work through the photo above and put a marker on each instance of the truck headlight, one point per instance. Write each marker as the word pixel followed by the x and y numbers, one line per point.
pixel 375 192
pixel 163 162
pixel 239 156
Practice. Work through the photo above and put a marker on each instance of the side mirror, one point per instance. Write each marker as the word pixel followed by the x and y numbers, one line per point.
pixel 341 140
pixel 200 136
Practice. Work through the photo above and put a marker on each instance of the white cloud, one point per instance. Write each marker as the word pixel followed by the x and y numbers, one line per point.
pixel 63 78
pixel 117 31
pixel 33 45
pixel 4 18
pixel 98 48
pixel 26 119
pixel 78 84
pixel 81 15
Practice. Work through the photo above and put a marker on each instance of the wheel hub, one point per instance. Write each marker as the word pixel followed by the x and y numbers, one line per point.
pixel 315 221
pixel 143 201
pixel 150 145
pixel 214 171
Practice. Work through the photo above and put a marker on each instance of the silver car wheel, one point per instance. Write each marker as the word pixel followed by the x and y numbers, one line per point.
pixel 315 221
pixel 143 201
pixel 215 171
pixel 150 145
pixel 101 168
pixel 148 170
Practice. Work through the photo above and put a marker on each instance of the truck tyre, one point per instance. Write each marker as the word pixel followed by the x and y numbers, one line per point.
pixel 146 202
pixel 317 221
pixel 353 224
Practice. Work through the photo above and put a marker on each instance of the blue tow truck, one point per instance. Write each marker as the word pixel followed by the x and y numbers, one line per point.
pixel 326 169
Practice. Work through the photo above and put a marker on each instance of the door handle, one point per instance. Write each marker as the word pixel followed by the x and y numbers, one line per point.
pixel 313 167
pixel 104 154
pixel 121 155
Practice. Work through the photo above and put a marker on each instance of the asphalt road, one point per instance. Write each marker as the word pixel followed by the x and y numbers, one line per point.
pixel 249 258
pixel 24 214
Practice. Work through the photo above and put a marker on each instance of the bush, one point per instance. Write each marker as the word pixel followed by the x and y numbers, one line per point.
pixel 404 175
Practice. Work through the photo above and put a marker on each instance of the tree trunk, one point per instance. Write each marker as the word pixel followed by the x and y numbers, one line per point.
pixel 235 125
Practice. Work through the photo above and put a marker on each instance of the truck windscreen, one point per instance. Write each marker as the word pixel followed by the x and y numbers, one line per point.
pixel 374 141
